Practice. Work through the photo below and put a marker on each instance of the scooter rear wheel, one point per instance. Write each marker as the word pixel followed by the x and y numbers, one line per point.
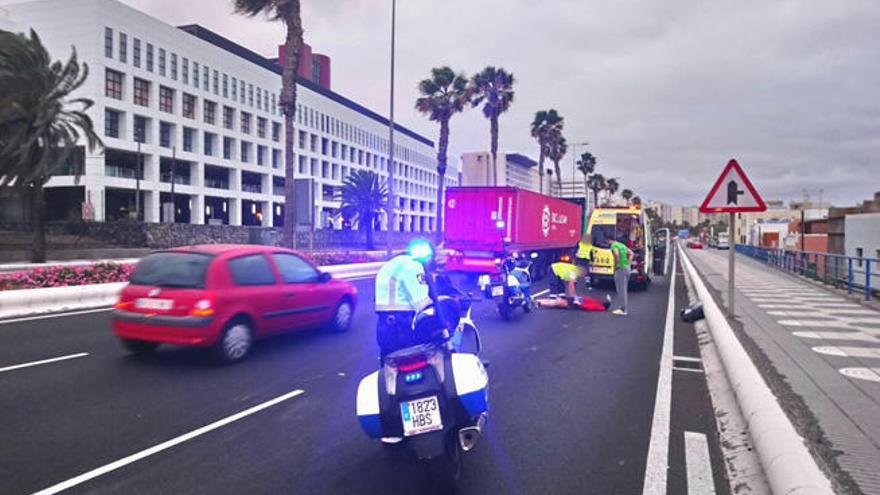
pixel 445 470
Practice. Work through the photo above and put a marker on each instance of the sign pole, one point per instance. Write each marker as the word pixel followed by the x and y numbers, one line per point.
pixel 731 262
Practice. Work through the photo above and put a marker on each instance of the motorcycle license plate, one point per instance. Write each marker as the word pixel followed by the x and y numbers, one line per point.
pixel 498 290
pixel 420 416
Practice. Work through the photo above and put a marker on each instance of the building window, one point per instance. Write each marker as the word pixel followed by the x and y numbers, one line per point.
pixel 161 61
pixel 189 105
pixel 250 94
pixel 259 99
pixel 302 165
pixel 123 48
pixel 184 66
pixel 245 151
pixel 149 57
pixel 140 129
pixel 136 53
pixel 206 78
pixel 228 117
pixel 324 146
pixel 245 122
pixel 302 140
pixel 225 86
pixel 276 159
pixel 261 127
pixel 141 92
pixel 325 169
pixel 234 89
pixel 261 152
pixel 166 99
pixel 276 131
pixel 196 75
pixel 188 138
pixel 216 82
pixel 265 101
pixel 274 105
pixel 111 123
pixel 108 42
pixel 241 91
pixel 209 143
pixel 227 148
pixel 165 134
pixel 173 66
pixel 210 112
pixel 113 84
pixel 313 143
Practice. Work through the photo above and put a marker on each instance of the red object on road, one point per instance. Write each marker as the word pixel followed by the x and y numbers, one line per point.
pixel 695 244
pixel 226 296
pixel 482 223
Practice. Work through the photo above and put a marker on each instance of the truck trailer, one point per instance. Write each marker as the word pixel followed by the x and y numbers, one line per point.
pixel 484 224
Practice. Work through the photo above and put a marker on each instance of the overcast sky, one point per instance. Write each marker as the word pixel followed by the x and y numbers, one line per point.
pixel 665 92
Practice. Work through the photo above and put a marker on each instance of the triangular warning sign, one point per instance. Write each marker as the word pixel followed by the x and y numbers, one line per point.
pixel 732 193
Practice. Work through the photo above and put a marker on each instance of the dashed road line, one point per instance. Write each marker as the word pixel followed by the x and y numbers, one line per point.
pixel 698 463
pixel 44 361
pixel 854 336
pixel 870 374
pixel 853 352
pixel 64 485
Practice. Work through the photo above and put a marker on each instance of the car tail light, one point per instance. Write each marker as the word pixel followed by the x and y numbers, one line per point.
pixel 202 307
pixel 123 305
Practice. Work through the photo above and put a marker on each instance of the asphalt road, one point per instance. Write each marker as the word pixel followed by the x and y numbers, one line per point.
pixel 572 397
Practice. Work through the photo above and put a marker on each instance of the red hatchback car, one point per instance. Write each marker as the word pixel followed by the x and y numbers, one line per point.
pixel 225 296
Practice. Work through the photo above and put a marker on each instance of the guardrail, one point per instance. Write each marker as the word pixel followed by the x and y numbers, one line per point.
pixel 27 302
pixel 854 273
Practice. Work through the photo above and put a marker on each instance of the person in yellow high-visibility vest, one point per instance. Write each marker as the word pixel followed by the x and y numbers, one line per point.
pixel 564 279
pixel 584 256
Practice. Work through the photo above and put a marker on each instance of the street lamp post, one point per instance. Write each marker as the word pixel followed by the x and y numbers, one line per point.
pixel 391 200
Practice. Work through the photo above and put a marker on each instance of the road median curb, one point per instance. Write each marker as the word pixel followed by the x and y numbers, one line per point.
pixel 784 456
pixel 30 302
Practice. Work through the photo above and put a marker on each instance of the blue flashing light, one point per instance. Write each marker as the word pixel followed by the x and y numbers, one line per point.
pixel 413 377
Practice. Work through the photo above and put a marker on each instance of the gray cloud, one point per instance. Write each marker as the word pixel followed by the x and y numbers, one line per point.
pixel 665 92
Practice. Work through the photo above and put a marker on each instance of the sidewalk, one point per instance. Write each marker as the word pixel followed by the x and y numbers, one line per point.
pixel 820 354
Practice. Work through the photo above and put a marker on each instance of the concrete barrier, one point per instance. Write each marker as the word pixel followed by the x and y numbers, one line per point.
pixel 27 302
pixel 787 463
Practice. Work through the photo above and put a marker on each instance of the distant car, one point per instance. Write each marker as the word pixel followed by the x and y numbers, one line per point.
pixel 694 244
pixel 723 244
pixel 224 297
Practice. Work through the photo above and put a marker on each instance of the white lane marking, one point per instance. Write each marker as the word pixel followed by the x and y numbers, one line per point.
pixel 64 485
pixel 828 306
pixel 853 352
pixel 539 294
pixel 44 361
pixel 676 368
pixel 55 315
pixel 856 336
pixel 699 465
pixel 658 449
pixel 870 374
pixel 687 358
pixel 828 313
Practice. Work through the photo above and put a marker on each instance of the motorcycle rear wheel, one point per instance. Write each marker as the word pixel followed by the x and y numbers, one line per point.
pixel 445 470
pixel 505 311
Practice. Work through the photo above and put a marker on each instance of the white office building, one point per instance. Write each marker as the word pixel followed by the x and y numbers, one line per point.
pixel 512 169
pixel 200 114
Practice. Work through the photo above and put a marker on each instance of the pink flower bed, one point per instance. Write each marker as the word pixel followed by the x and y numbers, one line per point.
pixel 63 276
pixel 104 273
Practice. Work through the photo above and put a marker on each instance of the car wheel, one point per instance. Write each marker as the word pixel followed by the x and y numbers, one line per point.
pixel 342 316
pixel 235 342
pixel 139 346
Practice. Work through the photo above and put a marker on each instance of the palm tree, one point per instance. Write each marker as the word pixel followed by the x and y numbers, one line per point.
pixel 288 12
pixel 611 186
pixel 40 122
pixel 546 125
pixel 586 165
pixel 492 88
pixel 363 196
pixel 596 183
pixel 556 150
pixel 443 95
pixel 637 201
pixel 626 194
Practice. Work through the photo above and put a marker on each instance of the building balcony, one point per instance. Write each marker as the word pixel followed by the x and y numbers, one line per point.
pixel 252 188
pixel 216 183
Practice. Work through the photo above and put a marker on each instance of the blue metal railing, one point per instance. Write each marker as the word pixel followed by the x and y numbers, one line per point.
pixel 856 274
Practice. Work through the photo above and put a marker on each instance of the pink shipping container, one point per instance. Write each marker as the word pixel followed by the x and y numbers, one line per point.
pixel 481 223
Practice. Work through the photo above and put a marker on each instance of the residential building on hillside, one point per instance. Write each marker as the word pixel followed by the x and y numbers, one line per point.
pixel 194 133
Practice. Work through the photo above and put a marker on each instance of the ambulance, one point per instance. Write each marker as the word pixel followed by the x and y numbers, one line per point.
pixel 628 225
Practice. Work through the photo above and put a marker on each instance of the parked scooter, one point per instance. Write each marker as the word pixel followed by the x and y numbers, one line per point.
pixel 511 288
pixel 434 396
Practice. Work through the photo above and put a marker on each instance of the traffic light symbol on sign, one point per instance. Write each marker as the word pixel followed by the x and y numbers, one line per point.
pixel 733 193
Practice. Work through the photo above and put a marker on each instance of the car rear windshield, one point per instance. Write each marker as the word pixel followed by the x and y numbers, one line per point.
pixel 170 269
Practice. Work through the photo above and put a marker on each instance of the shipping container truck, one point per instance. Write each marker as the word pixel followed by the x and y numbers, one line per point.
pixel 482 224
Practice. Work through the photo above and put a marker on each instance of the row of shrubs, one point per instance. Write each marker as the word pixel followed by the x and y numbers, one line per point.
pixel 105 273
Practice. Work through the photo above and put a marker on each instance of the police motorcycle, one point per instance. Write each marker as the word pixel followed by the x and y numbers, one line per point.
pixel 510 288
pixel 433 395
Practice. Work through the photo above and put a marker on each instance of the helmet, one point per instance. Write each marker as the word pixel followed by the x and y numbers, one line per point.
pixel 420 250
